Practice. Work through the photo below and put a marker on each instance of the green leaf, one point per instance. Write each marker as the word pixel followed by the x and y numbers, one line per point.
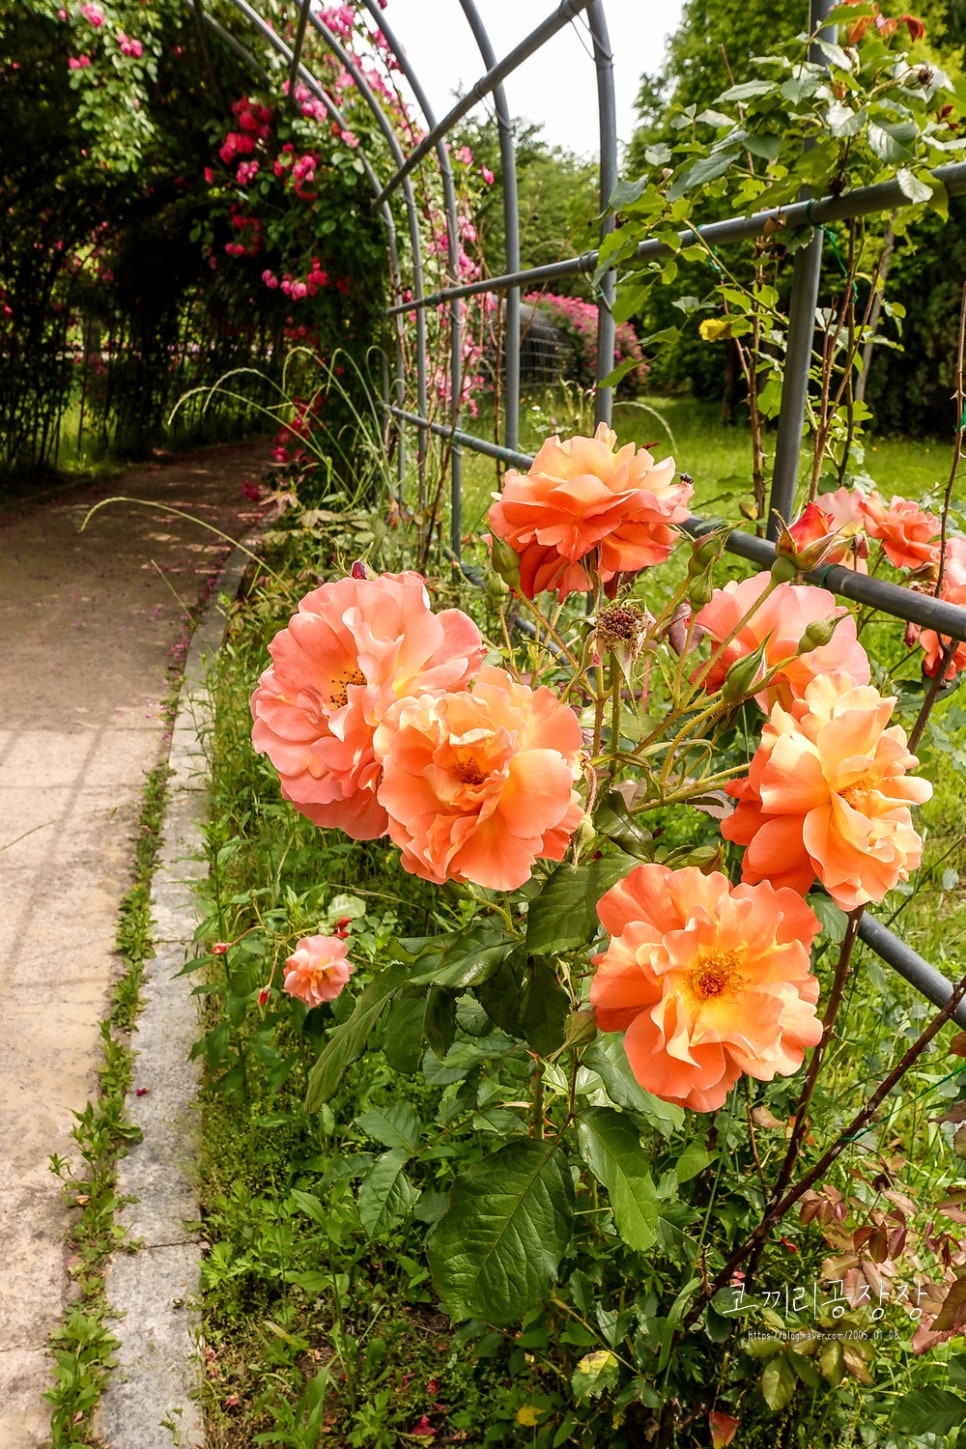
pixel 595 1374
pixel 843 121
pixel 833 919
pixel 469 959
pixel 626 192
pixel 501 996
pixel 890 142
pixel 930 1411
pixel 544 1008
pixel 767 147
pixel 439 1022
pixel 563 917
pixel 348 1041
pixel 705 170
pixel 385 1193
pixel 494 1253
pixel 402 1043
pixel 606 1056
pixel 610 1145
pixel 619 372
pixel 694 1159
pixel 747 90
pixel 778 1382
pixel 394 1126
pixel 309 1204
pixel 613 819
pixel 913 186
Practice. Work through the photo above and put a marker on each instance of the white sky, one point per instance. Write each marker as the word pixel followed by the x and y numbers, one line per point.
pixel 557 87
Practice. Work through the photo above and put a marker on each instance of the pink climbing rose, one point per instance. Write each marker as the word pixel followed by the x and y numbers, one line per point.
pixel 317 969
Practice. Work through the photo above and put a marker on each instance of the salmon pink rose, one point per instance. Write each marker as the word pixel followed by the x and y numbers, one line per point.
pixel 354 647
pixel 706 980
pixel 953 590
pixel 580 497
pixel 478 784
pixel 317 969
pixel 785 615
pixel 827 796
pixel 909 536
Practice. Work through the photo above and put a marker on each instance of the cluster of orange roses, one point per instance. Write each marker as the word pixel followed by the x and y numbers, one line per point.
pixel 381 718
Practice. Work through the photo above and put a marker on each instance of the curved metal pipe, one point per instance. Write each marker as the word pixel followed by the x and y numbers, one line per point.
pixel 453 250
pixel 511 229
pixel 607 287
pixel 412 217
pixel 527 47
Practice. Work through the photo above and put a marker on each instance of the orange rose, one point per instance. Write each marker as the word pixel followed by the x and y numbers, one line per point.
pixel 827 796
pixel 354 647
pixel 580 496
pixel 478 784
pixel 907 534
pixel 953 590
pixel 785 615
pixel 706 980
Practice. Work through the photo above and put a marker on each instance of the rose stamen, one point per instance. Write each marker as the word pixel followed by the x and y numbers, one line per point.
pixel 339 688
pixel 716 975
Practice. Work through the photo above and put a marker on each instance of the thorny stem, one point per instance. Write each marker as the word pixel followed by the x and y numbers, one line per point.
pixel 855 1127
pixel 932 693
pixel 836 995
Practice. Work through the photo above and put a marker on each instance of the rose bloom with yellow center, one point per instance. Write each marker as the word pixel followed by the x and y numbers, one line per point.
pixel 827 796
pixel 354 647
pixel 580 496
pixel 706 980
pixel 478 784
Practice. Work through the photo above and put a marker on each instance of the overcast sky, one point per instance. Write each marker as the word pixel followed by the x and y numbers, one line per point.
pixel 557 87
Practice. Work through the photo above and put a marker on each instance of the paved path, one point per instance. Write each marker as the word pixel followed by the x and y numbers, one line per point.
pixel 89 625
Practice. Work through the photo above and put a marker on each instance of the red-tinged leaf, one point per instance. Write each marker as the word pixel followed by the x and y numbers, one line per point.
pixel 855 1364
pixel 897 1241
pixel 953 1314
pixel 955 1113
pixel 723 1428
pixel 954 1206
pixel 861 1236
pixel 958 1044
pixel 878 1245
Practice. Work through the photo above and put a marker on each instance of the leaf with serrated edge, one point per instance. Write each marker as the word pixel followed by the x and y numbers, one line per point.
pixel 394 1126
pixel 610 1146
pixel 495 1251
pixel 385 1193
pixel 348 1041
pixel 930 1410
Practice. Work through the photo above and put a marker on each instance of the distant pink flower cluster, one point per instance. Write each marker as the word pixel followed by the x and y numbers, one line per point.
pixel 93 14
pixel 129 46
pixel 340 19
pixel 578 321
pixel 369 715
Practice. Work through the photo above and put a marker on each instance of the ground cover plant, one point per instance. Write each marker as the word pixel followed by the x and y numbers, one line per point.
pixel 594 1267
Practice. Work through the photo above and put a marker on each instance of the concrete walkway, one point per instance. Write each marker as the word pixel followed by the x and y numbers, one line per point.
pixel 90 624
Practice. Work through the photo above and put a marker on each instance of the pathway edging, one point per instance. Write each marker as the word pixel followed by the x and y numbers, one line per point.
pixel 151 1401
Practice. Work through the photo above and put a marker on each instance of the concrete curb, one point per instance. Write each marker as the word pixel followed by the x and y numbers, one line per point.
pixel 151 1400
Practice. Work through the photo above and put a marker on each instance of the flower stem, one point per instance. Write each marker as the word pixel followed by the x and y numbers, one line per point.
pixel 855 1127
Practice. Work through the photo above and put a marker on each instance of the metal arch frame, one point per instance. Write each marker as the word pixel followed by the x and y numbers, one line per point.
pixel 947 619
pixel 453 246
